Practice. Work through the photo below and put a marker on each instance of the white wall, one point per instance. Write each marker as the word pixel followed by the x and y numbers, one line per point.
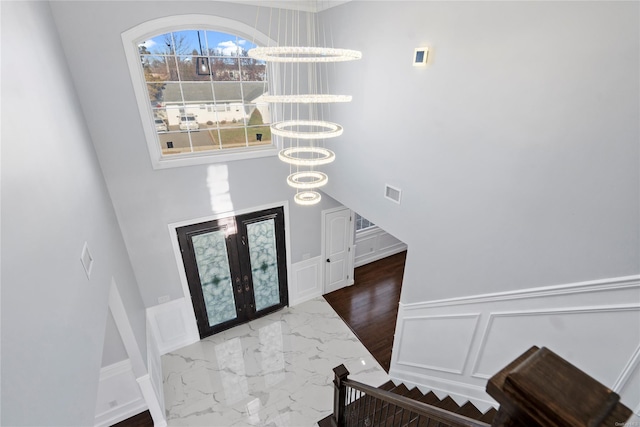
pixel 54 199
pixel 147 200
pixel 453 346
pixel 517 152
pixel 516 148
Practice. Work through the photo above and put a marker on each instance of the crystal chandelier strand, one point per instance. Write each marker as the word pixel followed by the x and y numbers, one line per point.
pixel 300 180
pixel 293 156
pixel 307 198
pixel 281 129
pixel 310 98
pixel 303 54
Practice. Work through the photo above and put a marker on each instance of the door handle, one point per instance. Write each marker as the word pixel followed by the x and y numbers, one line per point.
pixel 328 260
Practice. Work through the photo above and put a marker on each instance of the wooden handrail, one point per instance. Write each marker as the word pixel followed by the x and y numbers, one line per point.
pixel 419 408
pixel 540 389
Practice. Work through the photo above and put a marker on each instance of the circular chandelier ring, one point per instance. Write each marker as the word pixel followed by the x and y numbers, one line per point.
pixel 303 54
pixel 307 198
pixel 281 129
pixel 311 98
pixel 292 156
pixel 297 179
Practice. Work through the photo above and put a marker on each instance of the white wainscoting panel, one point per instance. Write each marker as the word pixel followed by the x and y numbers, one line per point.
pixel 306 277
pixel 374 244
pixel 119 396
pixel 453 346
pixel 428 328
pixel 173 325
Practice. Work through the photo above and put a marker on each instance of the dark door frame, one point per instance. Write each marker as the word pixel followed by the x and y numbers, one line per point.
pixel 238 251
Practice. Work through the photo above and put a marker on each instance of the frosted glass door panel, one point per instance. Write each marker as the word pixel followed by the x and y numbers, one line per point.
pixel 215 276
pixel 264 263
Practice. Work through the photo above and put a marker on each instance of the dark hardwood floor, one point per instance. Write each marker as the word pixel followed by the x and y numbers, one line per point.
pixel 370 306
pixel 143 419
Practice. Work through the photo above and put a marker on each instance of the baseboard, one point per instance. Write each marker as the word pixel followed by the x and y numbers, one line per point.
pixel 453 346
pixel 119 396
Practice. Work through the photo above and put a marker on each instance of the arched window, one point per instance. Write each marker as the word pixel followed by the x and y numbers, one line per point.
pixel 199 94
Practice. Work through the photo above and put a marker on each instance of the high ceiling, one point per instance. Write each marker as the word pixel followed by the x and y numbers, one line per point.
pixel 304 5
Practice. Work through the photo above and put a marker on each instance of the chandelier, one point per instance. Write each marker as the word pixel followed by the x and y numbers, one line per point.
pixel 302 128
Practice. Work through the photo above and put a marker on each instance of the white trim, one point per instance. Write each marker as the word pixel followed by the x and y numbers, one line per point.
pixel 312 267
pixel 457 390
pixel 544 291
pixel 475 316
pixel 626 373
pixel 123 325
pixel 116 383
pixel 519 313
pixel 115 369
pixel 188 311
pixel 377 251
pixel 146 30
pixel 180 330
pixel 157 414
pixel 138 364
pixel 566 318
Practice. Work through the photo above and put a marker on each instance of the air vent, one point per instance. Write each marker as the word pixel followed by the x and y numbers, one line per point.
pixel 392 193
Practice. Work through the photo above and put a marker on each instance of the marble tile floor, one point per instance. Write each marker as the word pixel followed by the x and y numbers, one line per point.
pixel 272 371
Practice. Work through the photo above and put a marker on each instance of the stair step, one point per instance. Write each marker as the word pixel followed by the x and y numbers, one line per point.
pixel 414 393
pixel 469 410
pixel 387 386
pixel 384 415
pixel 430 399
pixel 448 404
pixel 402 390
pixel 489 416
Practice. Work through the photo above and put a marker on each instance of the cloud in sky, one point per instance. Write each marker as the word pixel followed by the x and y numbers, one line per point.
pixel 148 44
pixel 231 47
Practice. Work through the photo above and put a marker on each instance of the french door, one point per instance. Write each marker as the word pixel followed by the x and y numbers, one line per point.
pixel 235 267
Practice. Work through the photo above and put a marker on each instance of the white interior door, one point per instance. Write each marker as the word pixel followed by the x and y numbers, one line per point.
pixel 338 240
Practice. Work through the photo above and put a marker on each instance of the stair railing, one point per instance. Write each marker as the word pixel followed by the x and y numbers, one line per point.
pixel 358 404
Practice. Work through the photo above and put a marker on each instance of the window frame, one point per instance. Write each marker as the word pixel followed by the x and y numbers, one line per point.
pixel 146 30
pixel 365 230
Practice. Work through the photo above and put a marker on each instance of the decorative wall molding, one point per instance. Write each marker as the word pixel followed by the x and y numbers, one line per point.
pixel 119 396
pixel 595 325
pixel 306 280
pixel 374 244
pixel 461 326
pixel 172 325
pixel 618 283
pixel 554 317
